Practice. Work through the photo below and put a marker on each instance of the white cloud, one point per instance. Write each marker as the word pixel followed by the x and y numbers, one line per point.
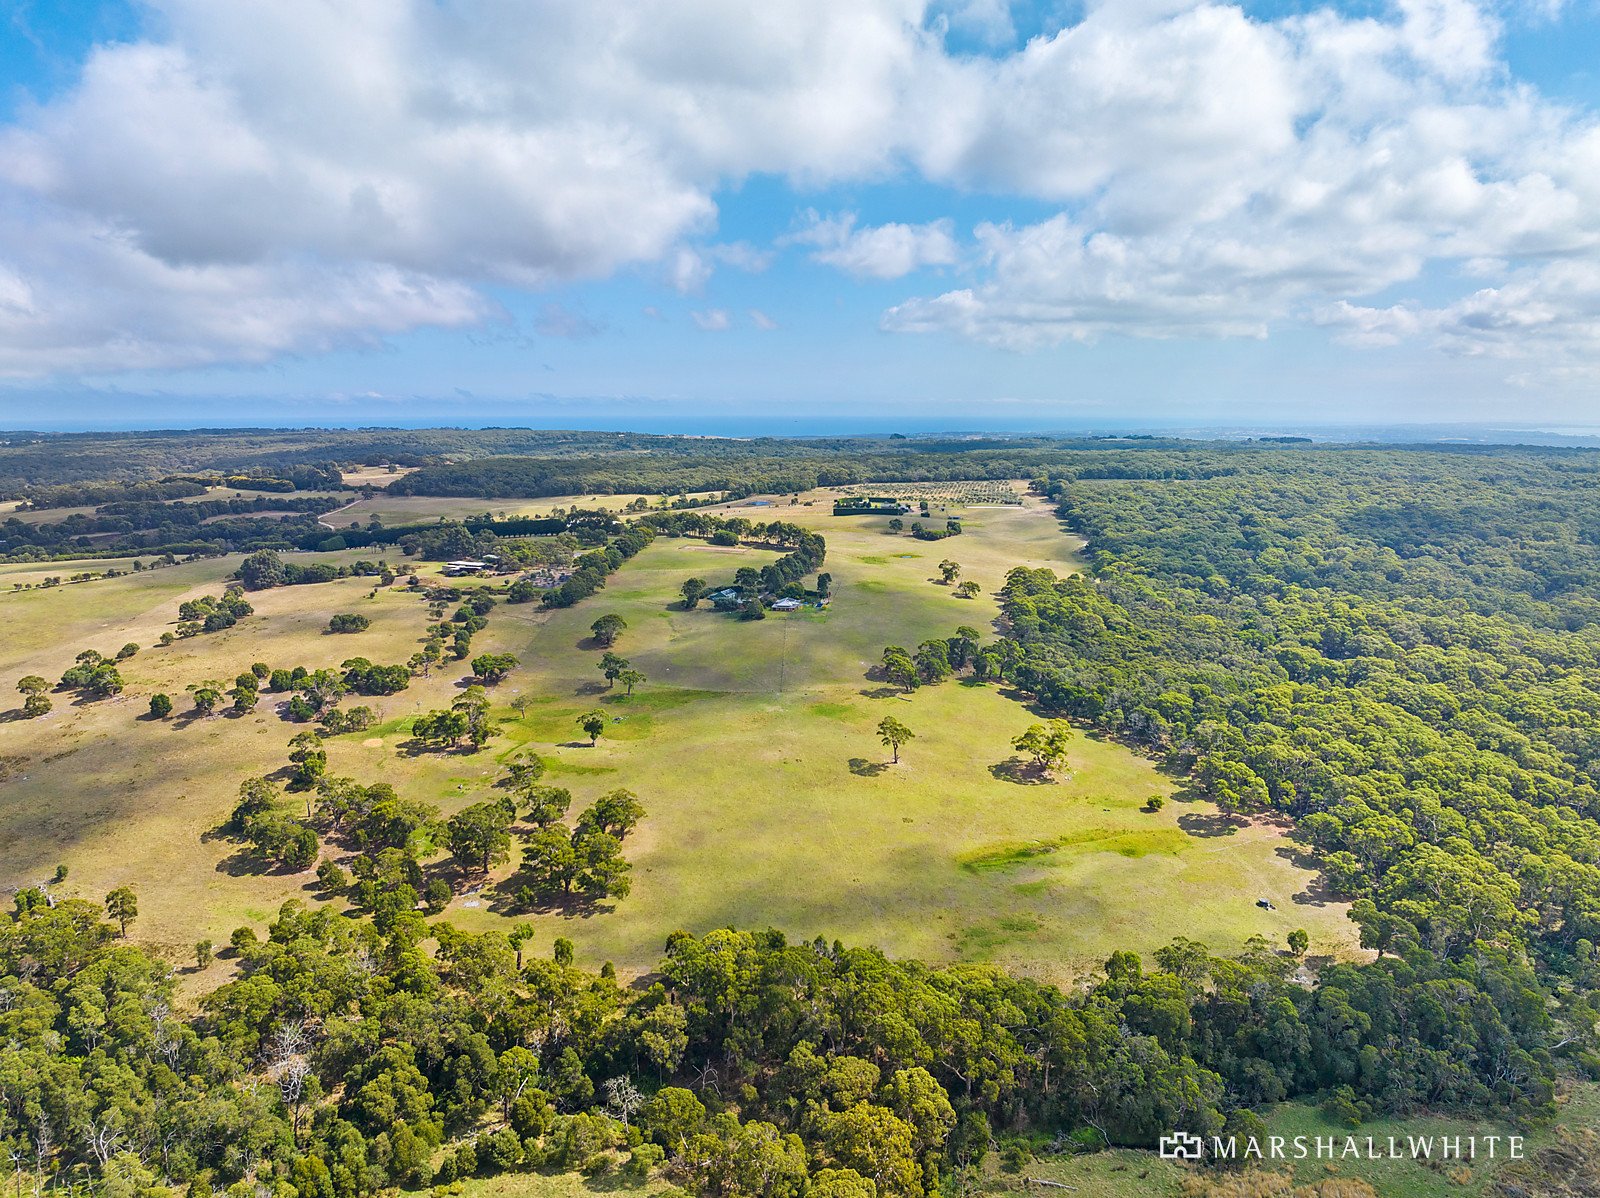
pixel 887 251
pixel 1271 172
pixel 1551 312
pixel 79 296
pixel 687 271
pixel 712 320
pixel 762 321
pixel 285 176
pixel 495 141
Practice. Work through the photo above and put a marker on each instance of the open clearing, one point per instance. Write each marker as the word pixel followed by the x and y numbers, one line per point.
pixel 374 476
pixel 752 746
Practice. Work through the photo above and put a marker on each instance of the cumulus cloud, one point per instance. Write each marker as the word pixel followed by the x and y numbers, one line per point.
pixel 888 251
pixel 762 321
pixel 712 320
pixel 80 296
pixel 1272 172
pixel 689 268
pixel 432 149
pixel 278 177
pixel 1551 311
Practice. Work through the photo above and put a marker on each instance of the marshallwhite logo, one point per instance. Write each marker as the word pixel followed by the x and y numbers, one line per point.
pixel 1183 1146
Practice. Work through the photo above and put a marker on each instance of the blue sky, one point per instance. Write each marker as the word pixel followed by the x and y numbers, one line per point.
pixel 856 216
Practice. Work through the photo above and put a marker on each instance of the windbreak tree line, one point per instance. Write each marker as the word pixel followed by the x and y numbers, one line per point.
pixel 591 569
pixel 807 550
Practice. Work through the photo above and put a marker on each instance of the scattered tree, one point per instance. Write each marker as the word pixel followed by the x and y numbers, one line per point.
pixel 35 702
pixel 615 813
pixel 493 667
pixel 480 835
pixel 607 629
pixel 1045 743
pixel 893 734
pixel 899 669
pixel 122 905
pixel 547 804
pixel 612 665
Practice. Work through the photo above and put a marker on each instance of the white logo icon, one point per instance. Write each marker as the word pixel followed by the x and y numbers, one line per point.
pixel 1181 1146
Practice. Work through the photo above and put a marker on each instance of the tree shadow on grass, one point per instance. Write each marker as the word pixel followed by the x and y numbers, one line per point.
pixel 502 898
pixel 1020 772
pixel 881 692
pixel 1297 855
pixel 417 748
pixel 1028 702
pixel 862 768
pixel 1318 891
pixel 243 863
pixel 1204 824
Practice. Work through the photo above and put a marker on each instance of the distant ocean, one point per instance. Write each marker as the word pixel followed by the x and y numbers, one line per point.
pixel 763 422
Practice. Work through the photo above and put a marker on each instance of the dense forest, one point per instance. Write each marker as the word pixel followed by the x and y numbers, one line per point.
pixel 1401 652
pixel 750 468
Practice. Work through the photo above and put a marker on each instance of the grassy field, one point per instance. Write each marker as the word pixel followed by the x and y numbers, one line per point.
pixel 752 747
pixel 771 800
pixel 373 476
pixel 122 799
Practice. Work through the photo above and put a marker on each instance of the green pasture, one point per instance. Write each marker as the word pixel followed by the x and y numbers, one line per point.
pixel 770 800
pixel 752 746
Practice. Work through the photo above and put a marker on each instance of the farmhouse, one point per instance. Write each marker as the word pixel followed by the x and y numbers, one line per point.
pixel 466 566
